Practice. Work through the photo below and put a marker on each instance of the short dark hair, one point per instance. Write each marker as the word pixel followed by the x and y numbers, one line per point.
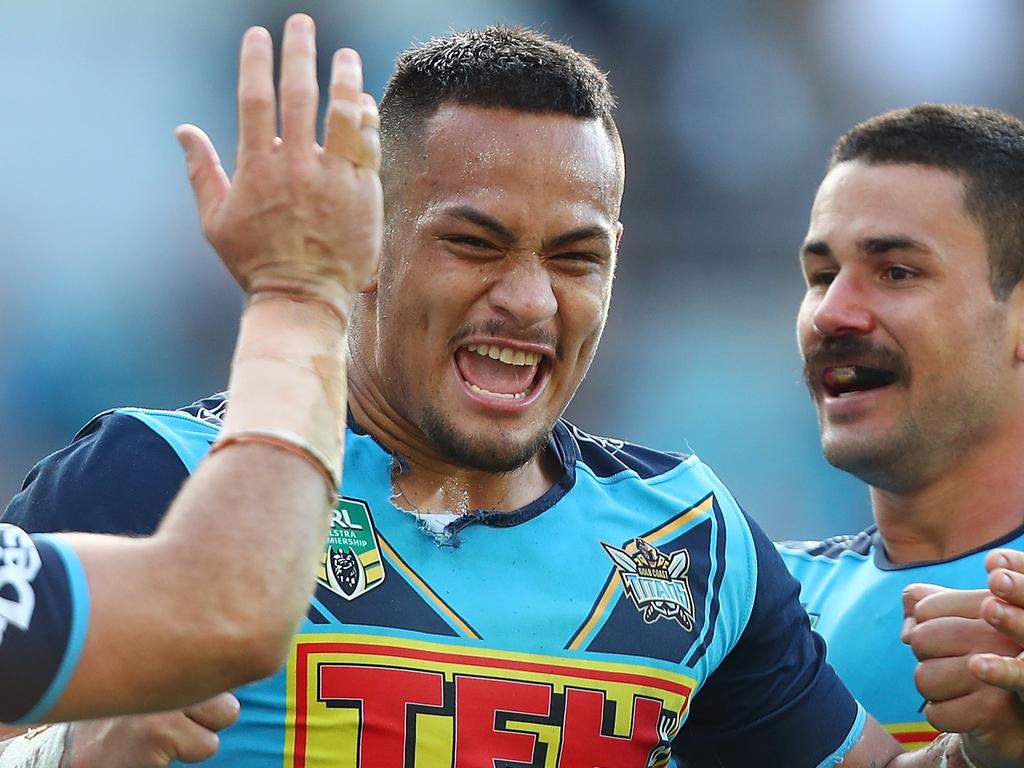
pixel 983 146
pixel 498 66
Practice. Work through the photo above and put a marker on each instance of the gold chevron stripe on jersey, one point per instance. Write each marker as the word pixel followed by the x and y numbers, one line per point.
pixel 613 586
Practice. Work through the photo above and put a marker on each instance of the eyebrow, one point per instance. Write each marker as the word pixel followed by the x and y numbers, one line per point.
pixel 481 219
pixel 488 222
pixel 871 245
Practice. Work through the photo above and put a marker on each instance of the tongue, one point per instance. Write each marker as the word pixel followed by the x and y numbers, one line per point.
pixel 494 375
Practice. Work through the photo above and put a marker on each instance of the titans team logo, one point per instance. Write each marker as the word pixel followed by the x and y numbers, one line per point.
pixel 656 582
pixel 352 564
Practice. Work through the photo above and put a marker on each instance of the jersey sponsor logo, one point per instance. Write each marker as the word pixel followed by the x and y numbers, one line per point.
pixel 358 701
pixel 19 564
pixel 352 563
pixel 656 582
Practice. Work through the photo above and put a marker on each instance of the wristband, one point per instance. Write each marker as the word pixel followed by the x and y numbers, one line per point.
pixel 41 747
pixel 286 441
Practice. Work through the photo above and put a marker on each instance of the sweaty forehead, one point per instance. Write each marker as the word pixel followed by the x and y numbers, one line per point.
pixel 467 151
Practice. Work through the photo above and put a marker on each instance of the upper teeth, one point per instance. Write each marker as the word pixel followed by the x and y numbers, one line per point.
pixel 505 354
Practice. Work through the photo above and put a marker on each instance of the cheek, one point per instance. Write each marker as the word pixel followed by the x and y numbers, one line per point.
pixel 805 332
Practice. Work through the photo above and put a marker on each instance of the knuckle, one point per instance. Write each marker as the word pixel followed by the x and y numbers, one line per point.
pixel 256 97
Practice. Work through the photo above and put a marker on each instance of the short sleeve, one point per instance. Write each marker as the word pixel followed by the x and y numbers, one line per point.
pixel 774 700
pixel 117 476
pixel 44 615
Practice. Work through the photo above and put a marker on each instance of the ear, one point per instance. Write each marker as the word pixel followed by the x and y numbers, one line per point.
pixel 1015 303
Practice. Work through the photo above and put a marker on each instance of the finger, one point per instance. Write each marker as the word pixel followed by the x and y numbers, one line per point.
pixel 1007 584
pixel 346 75
pixel 351 123
pixel 945 678
pixel 209 180
pixel 369 126
pixel 192 742
pixel 966 714
pixel 1011 559
pixel 346 137
pixel 955 636
pixel 1007 619
pixel 215 714
pixel 950 602
pixel 256 123
pixel 299 92
pixel 1000 671
pixel 913 594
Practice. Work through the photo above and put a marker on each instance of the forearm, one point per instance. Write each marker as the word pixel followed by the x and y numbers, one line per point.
pixel 256 500
pixel 228 574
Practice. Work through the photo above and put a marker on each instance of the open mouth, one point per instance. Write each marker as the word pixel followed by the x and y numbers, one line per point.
pixel 500 372
pixel 847 379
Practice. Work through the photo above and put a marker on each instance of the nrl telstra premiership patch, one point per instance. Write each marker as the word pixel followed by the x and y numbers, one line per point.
pixel 656 582
pixel 352 563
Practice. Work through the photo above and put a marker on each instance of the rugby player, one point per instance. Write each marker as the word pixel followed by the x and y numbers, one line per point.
pixel 912 334
pixel 501 587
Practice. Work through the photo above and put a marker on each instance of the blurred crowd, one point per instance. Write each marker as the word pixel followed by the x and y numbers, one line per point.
pixel 109 295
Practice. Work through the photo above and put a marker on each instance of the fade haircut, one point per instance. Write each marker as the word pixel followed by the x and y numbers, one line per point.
pixel 985 147
pixel 498 66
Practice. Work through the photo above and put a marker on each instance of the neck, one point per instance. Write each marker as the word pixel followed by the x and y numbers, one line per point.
pixel 962 509
pixel 426 482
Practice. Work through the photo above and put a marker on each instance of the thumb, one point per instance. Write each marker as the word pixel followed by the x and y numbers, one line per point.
pixel 209 181
pixel 216 713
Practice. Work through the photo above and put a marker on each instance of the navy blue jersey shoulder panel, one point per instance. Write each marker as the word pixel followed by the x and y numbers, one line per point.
pixel 35 621
pixel 608 457
pixel 778 667
pixel 833 547
pixel 117 476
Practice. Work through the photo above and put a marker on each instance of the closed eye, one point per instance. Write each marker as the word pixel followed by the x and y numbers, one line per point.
pixel 468 240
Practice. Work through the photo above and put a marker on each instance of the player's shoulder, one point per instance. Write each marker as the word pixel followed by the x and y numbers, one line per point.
pixel 859 545
pixel 119 473
pixel 610 458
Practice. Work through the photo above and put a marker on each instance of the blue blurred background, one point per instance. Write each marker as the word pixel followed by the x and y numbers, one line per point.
pixel 109 295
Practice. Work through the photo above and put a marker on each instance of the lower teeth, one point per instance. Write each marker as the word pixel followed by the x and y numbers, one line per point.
pixel 506 395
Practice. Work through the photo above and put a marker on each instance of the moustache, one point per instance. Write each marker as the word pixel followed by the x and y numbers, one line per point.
pixel 502 330
pixel 834 351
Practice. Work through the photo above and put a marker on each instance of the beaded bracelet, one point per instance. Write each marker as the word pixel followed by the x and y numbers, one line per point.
pixel 286 441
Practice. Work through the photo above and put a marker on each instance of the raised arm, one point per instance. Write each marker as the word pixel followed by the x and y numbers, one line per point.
pixel 188 612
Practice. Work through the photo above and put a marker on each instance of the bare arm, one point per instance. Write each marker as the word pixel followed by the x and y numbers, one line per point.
pixel 212 599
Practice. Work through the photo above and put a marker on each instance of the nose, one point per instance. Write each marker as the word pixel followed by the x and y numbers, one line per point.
pixel 844 309
pixel 524 293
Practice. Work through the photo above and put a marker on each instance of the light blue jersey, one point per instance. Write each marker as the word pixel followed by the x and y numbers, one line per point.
pixel 631 617
pixel 853 594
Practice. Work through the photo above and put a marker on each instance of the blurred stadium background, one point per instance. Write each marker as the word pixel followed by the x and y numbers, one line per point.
pixel 109 296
